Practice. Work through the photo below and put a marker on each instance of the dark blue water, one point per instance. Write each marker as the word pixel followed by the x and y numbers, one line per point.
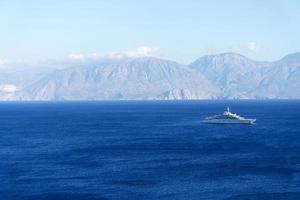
pixel 149 150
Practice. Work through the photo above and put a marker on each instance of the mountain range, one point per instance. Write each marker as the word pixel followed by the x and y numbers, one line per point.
pixel 220 76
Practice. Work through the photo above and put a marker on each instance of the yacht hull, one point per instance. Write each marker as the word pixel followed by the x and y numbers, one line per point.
pixel 229 121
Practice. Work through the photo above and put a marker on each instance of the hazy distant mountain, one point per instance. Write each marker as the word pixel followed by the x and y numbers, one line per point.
pixel 240 77
pixel 283 79
pixel 14 79
pixel 140 78
pixel 223 76
pixel 236 75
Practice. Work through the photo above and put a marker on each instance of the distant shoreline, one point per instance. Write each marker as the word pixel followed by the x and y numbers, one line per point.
pixel 142 100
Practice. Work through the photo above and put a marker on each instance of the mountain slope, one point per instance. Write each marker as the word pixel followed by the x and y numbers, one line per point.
pixel 223 76
pixel 240 77
pixel 14 79
pixel 141 78
pixel 283 79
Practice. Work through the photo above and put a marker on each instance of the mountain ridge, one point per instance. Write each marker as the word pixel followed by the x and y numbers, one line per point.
pixel 219 76
pixel 141 78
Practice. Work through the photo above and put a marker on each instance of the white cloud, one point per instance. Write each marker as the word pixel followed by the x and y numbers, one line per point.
pixel 253 46
pixel 8 88
pixel 76 57
pixel 143 51
pixel 115 55
pixel 94 56
pixel 3 62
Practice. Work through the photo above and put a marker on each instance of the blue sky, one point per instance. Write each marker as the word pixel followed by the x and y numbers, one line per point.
pixel 182 30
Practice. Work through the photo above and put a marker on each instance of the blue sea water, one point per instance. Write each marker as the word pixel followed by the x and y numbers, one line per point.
pixel 148 150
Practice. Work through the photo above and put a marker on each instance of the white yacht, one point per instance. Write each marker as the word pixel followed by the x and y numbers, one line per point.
pixel 228 118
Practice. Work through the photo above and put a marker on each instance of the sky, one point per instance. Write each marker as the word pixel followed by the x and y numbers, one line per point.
pixel 181 30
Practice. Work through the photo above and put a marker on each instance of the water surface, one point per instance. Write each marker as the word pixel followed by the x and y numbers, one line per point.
pixel 148 150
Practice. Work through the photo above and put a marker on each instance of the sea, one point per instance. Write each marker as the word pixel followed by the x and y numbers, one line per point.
pixel 149 150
